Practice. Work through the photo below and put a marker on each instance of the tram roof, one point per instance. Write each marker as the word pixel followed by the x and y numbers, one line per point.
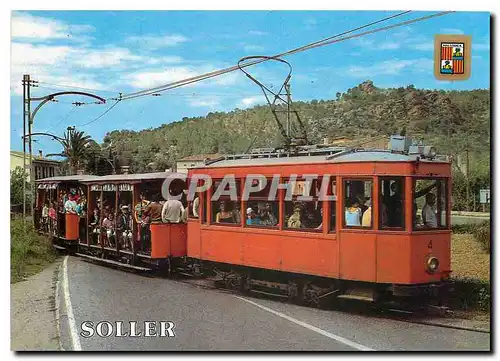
pixel 66 178
pixel 132 177
pixel 342 157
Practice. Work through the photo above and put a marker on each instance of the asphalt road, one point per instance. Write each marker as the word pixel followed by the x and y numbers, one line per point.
pixel 214 320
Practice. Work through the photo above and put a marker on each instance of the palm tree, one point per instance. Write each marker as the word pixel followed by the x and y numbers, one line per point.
pixel 75 145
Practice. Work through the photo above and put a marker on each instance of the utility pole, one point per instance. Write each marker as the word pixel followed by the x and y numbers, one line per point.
pixel 467 176
pixel 25 114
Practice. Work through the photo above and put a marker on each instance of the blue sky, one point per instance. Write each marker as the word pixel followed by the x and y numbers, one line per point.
pixel 126 51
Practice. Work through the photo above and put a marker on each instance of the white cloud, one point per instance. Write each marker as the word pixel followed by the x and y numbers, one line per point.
pixel 210 101
pixel 148 79
pixel 257 32
pixel 390 67
pixel 251 101
pixel 252 48
pixel 157 41
pixel 427 46
pixel 26 26
pixel 451 31
pixel 484 46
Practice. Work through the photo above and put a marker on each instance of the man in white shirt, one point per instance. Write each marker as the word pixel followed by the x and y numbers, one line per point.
pixel 429 216
pixel 172 211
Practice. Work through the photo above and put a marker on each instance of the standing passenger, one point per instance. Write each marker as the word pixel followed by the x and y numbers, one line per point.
pixel 172 211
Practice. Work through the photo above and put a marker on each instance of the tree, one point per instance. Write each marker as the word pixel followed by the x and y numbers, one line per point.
pixel 17 178
pixel 76 146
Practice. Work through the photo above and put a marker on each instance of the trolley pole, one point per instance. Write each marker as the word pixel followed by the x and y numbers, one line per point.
pixel 288 100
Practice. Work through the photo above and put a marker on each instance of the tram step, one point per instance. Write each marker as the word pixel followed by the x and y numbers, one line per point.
pixel 356 297
pixel 269 293
pixel 58 247
pixel 113 262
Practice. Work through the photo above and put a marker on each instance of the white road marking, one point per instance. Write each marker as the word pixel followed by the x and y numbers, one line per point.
pixel 58 305
pixel 340 339
pixel 75 340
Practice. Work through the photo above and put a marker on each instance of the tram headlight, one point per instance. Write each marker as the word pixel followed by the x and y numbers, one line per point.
pixel 432 264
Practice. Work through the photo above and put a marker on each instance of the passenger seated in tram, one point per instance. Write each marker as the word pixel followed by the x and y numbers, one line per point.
pixel 252 218
pixel 295 220
pixel 367 215
pixel 108 224
pixel 267 217
pixel 125 227
pixel 172 211
pixel 237 213
pixel 395 206
pixel 353 213
pixel 81 207
pixel 95 226
pixel 224 215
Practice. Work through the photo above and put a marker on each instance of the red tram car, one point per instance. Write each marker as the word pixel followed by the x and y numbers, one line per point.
pixel 314 250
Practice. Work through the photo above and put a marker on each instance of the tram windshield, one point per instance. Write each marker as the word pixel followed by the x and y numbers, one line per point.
pixel 430 203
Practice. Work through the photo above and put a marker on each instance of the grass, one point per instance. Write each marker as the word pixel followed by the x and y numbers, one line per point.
pixel 29 252
pixel 468 258
pixel 470 263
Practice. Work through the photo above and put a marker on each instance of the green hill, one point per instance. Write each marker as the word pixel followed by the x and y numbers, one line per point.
pixel 450 120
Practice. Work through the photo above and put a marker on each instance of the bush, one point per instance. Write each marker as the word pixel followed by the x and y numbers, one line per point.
pixel 29 252
pixel 482 233
pixel 470 293
pixel 464 228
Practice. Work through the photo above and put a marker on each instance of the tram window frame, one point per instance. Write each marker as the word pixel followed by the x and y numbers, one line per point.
pixel 215 204
pixel 444 181
pixel 315 193
pixel 262 197
pixel 344 207
pixel 380 202
pixel 332 191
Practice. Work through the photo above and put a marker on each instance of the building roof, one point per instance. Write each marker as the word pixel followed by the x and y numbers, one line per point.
pixel 341 157
pixel 34 156
pixel 66 178
pixel 200 157
pixel 131 177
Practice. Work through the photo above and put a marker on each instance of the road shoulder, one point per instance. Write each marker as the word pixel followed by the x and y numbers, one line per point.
pixel 32 318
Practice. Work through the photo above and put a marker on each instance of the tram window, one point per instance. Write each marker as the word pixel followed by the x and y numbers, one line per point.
pixel 226 208
pixel 430 204
pixel 300 214
pixel 391 205
pixel 358 203
pixel 259 210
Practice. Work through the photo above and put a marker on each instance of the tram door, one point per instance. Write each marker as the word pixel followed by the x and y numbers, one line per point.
pixel 109 215
pixel 357 237
pixel 94 214
pixel 124 222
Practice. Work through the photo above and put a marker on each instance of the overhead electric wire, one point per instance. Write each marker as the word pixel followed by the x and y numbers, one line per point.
pixel 62 119
pixel 100 116
pixel 78 87
pixel 230 69
pixel 323 42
